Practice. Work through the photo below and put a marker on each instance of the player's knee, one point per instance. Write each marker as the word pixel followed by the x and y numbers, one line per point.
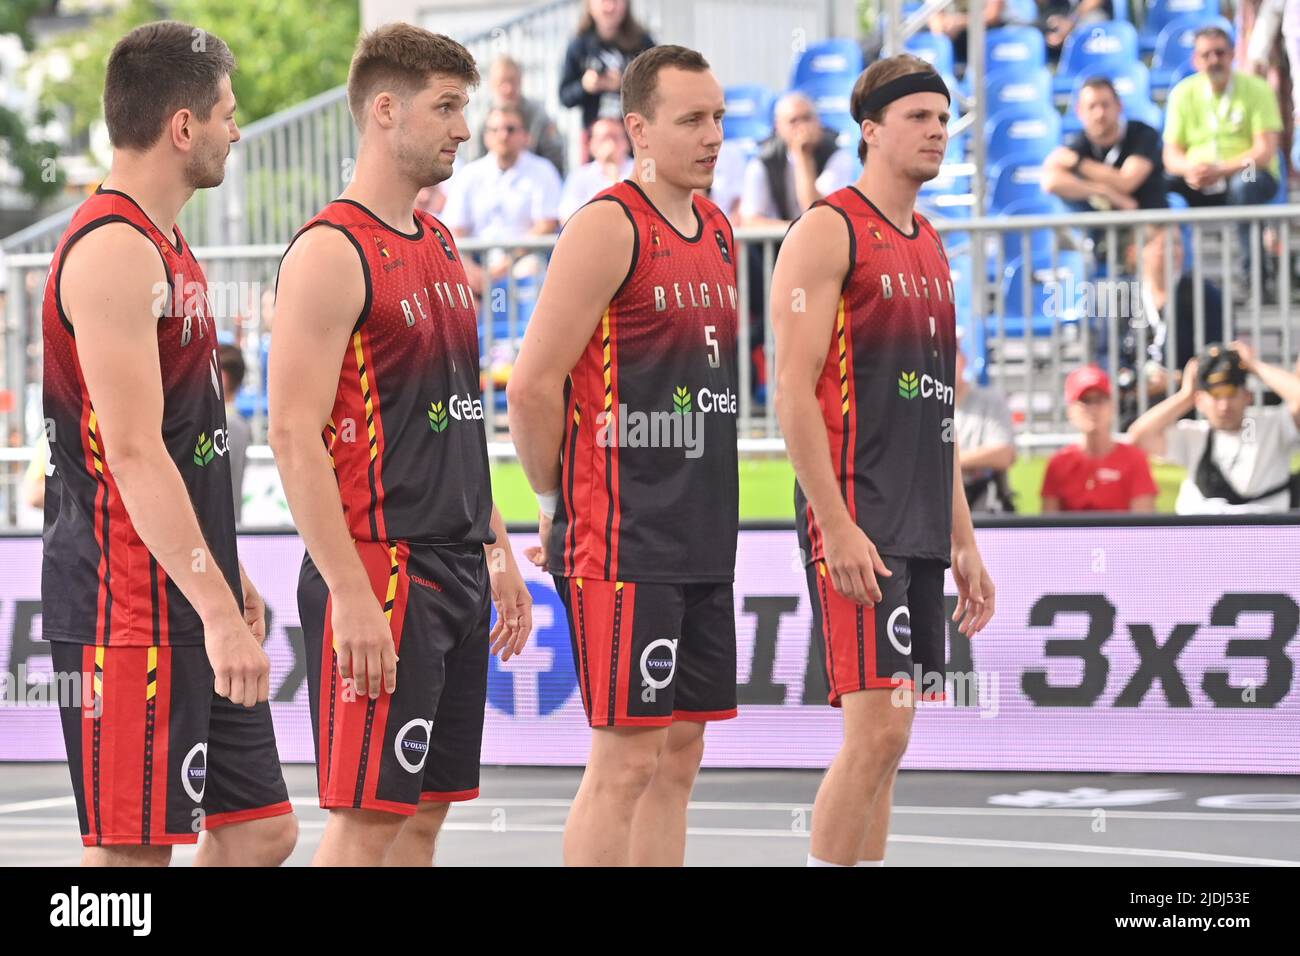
pixel 627 777
pixel 877 752
pixel 428 819
pixel 679 764
pixel 277 839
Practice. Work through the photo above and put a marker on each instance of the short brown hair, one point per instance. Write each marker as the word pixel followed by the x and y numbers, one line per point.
pixel 400 58
pixel 157 69
pixel 872 79
pixel 641 78
pixel 1210 30
pixel 1099 83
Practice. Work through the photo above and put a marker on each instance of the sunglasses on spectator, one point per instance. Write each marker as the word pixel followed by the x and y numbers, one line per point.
pixel 508 130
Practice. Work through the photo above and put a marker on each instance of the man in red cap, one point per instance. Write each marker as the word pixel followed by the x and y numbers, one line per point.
pixel 1099 474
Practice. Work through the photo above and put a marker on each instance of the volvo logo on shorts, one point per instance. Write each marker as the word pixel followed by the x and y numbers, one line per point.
pixel 194 772
pixel 658 664
pixel 899 628
pixel 412 744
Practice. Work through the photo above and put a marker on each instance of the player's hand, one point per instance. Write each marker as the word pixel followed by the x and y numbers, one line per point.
pixel 254 608
pixel 975 601
pixel 363 643
pixel 1246 353
pixel 853 563
pixel 537 553
pixel 514 612
pixel 241 670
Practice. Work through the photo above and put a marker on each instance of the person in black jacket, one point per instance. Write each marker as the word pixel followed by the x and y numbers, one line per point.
pixel 607 40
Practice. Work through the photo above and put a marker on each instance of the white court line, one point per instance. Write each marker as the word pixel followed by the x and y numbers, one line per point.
pixel 38 804
pixel 736 832
pixel 707 805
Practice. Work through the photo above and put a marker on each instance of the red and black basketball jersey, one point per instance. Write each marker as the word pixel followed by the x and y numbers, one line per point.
pixel 649 487
pixel 99 583
pixel 886 391
pixel 406 435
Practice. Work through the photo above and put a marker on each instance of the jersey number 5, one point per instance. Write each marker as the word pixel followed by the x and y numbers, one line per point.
pixel 712 343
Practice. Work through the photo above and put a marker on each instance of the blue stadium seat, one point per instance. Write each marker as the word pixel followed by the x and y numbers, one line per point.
pixel 1120 11
pixel 1091 45
pixel 1040 240
pixel 1131 80
pixel 1051 303
pixel 831 96
pixel 1014 86
pixel 1026 130
pixel 934 48
pixel 1160 13
pixel 749 112
pixel 828 60
pixel 973 339
pixel 1174 47
pixel 1021 47
pixel 1017 176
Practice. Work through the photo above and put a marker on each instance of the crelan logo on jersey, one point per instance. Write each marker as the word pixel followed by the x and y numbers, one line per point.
pixel 683 427
pixel 205 449
pixel 462 408
pixel 910 386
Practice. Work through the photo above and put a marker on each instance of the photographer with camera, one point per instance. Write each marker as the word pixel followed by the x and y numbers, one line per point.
pixel 1238 457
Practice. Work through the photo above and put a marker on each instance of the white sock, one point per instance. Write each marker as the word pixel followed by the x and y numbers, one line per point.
pixel 813 861
pixel 870 863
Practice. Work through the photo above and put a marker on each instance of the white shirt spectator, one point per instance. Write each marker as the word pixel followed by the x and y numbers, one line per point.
pixel 487 202
pixel 584 182
pixel 729 176
pixel 756 199
pixel 1252 460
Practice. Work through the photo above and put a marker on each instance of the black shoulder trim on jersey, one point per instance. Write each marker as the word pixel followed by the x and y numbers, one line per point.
pixel 636 244
pixel 699 221
pixel 365 266
pixel 81 234
pixel 853 244
pixel 178 244
pixel 916 226
pixel 413 236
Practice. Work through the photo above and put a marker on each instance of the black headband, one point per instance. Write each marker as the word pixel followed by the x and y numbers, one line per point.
pixel 882 96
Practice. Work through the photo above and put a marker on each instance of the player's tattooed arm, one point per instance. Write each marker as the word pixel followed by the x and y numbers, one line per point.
pixel 320 294
pixel 509 593
pixel 109 290
pixel 806 285
pixel 590 262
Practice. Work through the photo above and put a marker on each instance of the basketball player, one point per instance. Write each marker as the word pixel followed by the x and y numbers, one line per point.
pixel 142 591
pixel 377 427
pixel 623 412
pixel 865 345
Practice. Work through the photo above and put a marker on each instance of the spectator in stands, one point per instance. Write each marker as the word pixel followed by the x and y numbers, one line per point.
pixel 1099 473
pixel 238 433
pixel 1113 163
pixel 985 442
pixel 608 38
pixel 797 166
pixel 729 178
pixel 1142 304
pixel 1060 17
pixel 611 161
pixel 1221 135
pixel 1238 458
pixel 508 194
pixel 505 80
pixel 954 21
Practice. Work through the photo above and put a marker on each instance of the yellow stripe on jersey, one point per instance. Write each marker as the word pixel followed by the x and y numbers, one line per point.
pixel 365 394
